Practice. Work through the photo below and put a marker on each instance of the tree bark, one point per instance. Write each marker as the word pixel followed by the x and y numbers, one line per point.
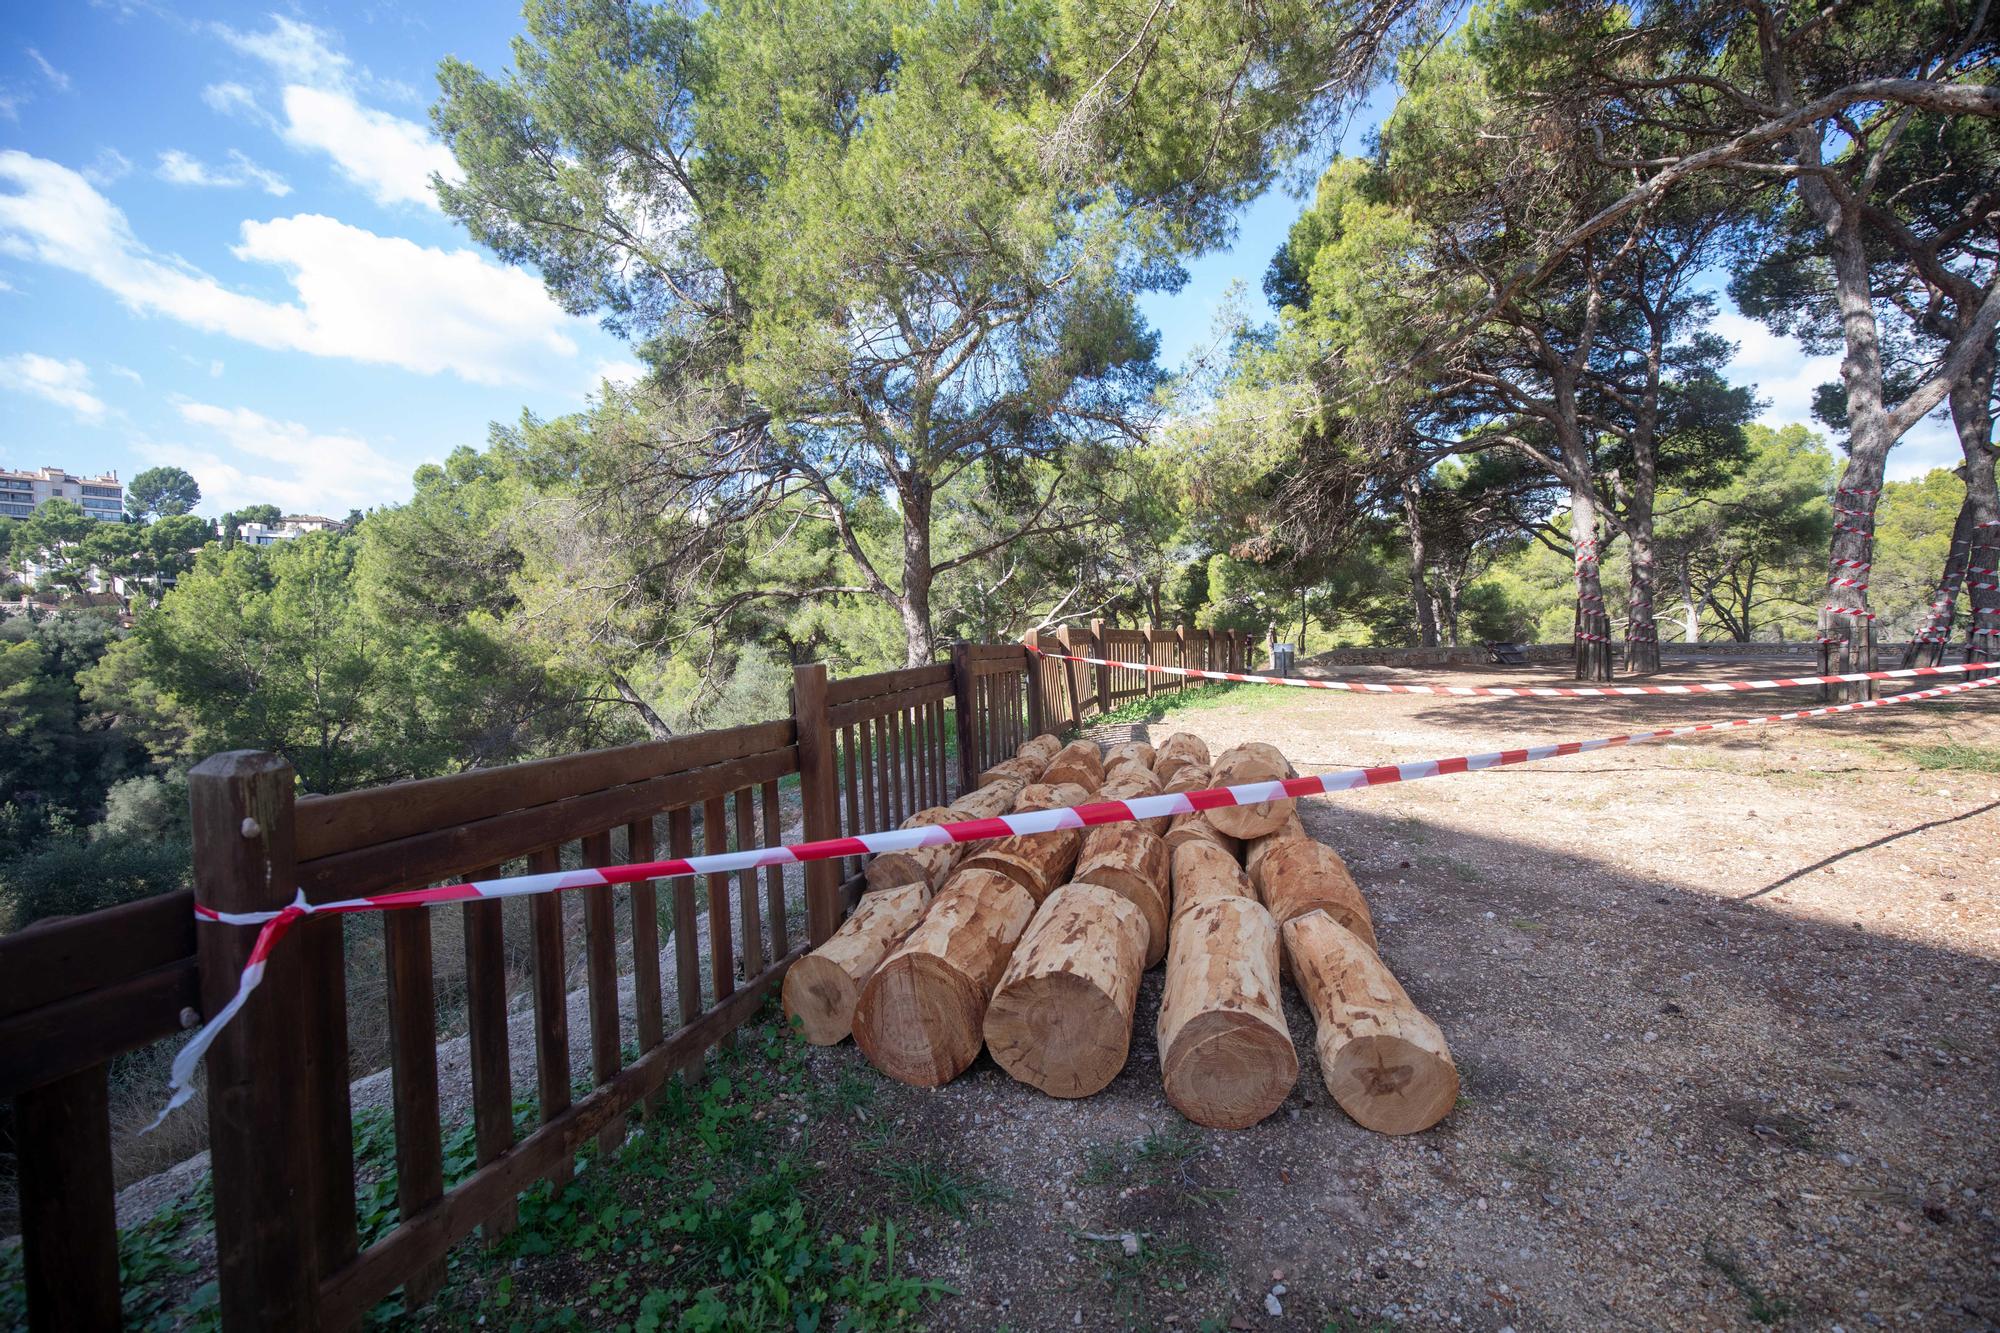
pixel 1642 631
pixel 1382 1059
pixel 1061 1017
pixel 1420 593
pixel 1593 646
pixel 1040 863
pixel 913 491
pixel 1928 645
pixel 1204 872
pixel 1972 413
pixel 1079 763
pixel 1304 876
pixel 1226 1056
pixel 822 988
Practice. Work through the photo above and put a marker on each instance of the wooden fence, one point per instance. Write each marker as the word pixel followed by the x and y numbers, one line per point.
pixel 1070 694
pixel 860 754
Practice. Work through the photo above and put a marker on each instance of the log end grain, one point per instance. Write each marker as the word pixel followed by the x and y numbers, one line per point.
pixel 819 998
pixel 1061 1018
pixel 821 989
pixel 1229 1070
pixel 919 1021
pixel 1393 1084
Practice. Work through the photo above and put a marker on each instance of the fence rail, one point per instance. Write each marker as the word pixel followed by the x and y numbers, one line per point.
pixel 856 754
pixel 1072 694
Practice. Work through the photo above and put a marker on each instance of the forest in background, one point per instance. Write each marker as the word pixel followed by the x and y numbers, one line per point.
pixel 882 264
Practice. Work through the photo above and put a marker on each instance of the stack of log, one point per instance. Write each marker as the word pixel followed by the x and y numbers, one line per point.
pixel 1033 948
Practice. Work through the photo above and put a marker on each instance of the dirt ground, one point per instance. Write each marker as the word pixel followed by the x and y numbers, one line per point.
pixel 1724 1011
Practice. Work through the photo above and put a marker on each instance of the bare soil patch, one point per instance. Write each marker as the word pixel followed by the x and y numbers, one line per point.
pixel 1725 1012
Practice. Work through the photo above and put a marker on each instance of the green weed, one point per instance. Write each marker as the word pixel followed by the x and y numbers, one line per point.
pixel 926 1182
pixel 1160 1267
pixel 1956 758
pixel 1764 1307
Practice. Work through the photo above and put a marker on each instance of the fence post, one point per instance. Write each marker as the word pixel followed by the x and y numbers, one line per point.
pixel 1037 704
pixel 819 788
pixel 69 1223
pixel 963 708
pixel 267 1260
pixel 1070 673
pixel 1100 649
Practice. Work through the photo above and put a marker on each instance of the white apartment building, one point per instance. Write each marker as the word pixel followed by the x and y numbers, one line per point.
pixel 101 497
pixel 286 528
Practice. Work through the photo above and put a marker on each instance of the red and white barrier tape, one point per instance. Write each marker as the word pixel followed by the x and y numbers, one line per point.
pixel 273 925
pixel 1529 691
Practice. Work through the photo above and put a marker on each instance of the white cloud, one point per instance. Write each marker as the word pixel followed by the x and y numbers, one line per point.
pixel 179 168
pixel 1782 373
pixel 621 374
pixel 261 460
pixel 298 52
pixel 57 79
pixel 11 102
pixel 108 168
pixel 231 99
pixel 126 372
pixel 64 383
pixel 360 296
pixel 391 158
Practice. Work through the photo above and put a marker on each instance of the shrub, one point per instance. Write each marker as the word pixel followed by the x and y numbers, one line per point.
pixel 68 876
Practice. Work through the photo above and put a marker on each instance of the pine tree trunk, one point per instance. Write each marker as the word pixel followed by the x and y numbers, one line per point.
pixel 1420 593
pixel 1593 639
pixel 1642 631
pixel 914 605
pixel 1972 412
pixel 1927 647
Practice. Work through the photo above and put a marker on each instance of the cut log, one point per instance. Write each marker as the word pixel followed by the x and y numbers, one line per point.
pixel 1195 777
pixel 933 865
pixel 1041 749
pixel 1135 750
pixel 1226 1058
pixel 1383 1060
pixel 1061 1017
pixel 1126 768
pixel 822 988
pixel 1203 872
pixel 1126 781
pixel 1078 762
pixel 921 1015
pixel 1181 749
pixel 1022 768
pixel 1301 876
pixel 1256 849
pixel 929 866
pixel 1131 861
pixel 1038 862
pixel 1253 762
pixel 986 802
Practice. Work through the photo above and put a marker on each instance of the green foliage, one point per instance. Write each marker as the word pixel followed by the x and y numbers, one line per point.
pixel 1955 757
pixel 54 751
pixel 161 492
pixel 67 875
pixel 932 1183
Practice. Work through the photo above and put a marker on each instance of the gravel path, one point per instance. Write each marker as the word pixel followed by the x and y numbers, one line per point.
pixel 1725 1013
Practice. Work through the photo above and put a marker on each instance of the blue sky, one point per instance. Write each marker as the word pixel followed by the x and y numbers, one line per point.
pixel 217 249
